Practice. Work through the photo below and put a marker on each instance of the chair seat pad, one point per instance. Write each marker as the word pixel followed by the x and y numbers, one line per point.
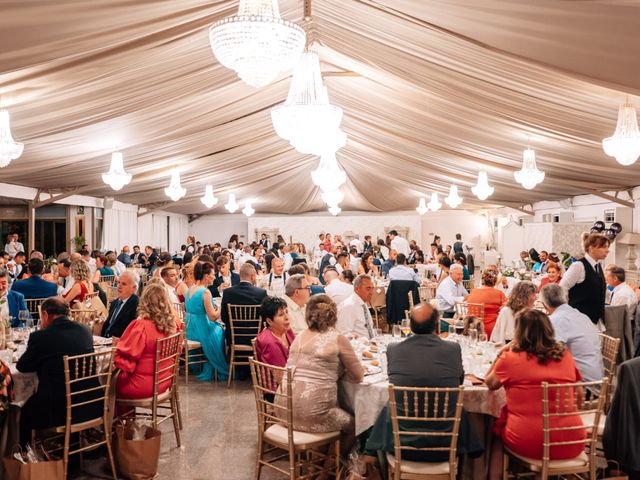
pixel 536 465
pixel 587 419
pixel 278 434
pixel 243 348
pixel 420 468
pixel 192 345
pixel 142 402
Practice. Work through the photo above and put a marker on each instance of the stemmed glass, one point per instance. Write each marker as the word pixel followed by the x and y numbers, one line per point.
pixel 23 316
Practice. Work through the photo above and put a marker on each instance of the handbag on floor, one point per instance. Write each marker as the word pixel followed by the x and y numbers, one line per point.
pixel 137 459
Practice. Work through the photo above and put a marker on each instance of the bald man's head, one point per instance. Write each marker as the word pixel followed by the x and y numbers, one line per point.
pixel 424 319
pixel 248 273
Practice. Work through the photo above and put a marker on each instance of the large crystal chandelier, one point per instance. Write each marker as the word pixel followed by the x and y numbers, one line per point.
pixel 333 197
pixel 116 177
pixel 422 207
pixel 434 204
pixel 334 210
pixel 231 204
pixel 453 199
pixel 328 176
pixel 257 43
pixel 482 190
pixel 306 119
pixel 248 210
pixel 624 145
pixel 209 199
pixel 175 191
pixel 529 176
pixel 9 149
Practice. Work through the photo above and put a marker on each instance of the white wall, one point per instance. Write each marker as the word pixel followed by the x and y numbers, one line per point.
pixel 219 228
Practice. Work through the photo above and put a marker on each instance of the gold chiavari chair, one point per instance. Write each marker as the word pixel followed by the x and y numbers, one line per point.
pixel 468 284
pixel 412 409
pixel 426 293
pixel 474 309
pixel 610 355
pixel 86 316
pixel 87 381
pixel 378 303
pixel 245 324
pixel 33 305
pixel 563 400
pixel 165 375
pixel 108 285
pixel 253 349
pixel 278 439
pixel 192 353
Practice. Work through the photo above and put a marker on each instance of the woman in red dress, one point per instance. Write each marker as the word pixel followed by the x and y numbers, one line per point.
pixel 136 350
pixel 79 271
pixel 553 275
pixel 492 299
pixel 273 342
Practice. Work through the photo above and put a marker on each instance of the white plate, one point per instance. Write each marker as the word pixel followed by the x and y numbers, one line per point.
pixel 372 370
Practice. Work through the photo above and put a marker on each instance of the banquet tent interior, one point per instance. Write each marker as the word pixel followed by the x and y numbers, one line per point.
pixel 432 92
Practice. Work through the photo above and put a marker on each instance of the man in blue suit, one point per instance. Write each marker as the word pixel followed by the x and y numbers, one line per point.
pixel 35 286
pixel 13 301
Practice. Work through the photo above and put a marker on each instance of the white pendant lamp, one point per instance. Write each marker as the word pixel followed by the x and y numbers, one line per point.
pixel 248 210
pixel 624 145
pixel 422 207
pixel 482 190
pixel 9 149
pixel 209 199
pixel 231 204
pixel 434 204
pixel 116 177
pixel 328 176
pixel 175 191
pixel 453 199
pixel 529 176
pixel 334 210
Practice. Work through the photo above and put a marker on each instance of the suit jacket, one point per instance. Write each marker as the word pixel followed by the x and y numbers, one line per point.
pixel 44 354
pixel 35 287
pixel 235 280
pixel 398 299
pixel 16 303
pixel 127 314
pixel 242 294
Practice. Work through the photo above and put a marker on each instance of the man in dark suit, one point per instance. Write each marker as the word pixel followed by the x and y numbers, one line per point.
pixel 35 286
pixel 57 337
pixel 225 277
pixel 264 241
pixel 14 300
pixel 123 310
pixel 329 260
pixel 245 293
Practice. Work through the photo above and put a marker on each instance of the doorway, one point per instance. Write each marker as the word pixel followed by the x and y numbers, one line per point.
pixel 51 237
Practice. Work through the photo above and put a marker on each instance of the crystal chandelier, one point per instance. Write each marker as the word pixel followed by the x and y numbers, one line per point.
pixel 529 176
pixel 116 177
pixel 334 210
pixel 434 204
pixel 422 207
pixel 231 204
pixel 209 199
pixel 624 145
pixel 482 190
pixel 248 210
pixel 257 43
pixel 328 176
pixel 453 200
pixel 333 197
pixel 306 119
pixel 9 149
pixel 175 191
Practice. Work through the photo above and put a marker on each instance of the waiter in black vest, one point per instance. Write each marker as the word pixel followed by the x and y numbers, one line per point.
pixel 585 278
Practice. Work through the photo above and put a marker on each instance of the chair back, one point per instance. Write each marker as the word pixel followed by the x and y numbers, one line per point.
pixel 570 399
pixel 379 298
pixel 33 305
pixel 474 309
pixel 274 406
pixel 253 349
pixel 181 311
pixel 426 293
pixel 414 409
pixel 87 381
pixel 165 371
pixel 610 355
pixel 86 316
pixel 468 284
pixel 245 323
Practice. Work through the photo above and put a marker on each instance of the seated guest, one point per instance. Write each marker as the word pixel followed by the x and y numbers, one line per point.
pixel 367 267
pixel 58 336
pixel 35 286
pixel 165 259
pixel 275 281
pixel 303 269
pixel 622 293
pixel 170 281
pixel 122 311
pixel 472 323
pixel 347 277
pixel 492 299
pixel 10 302
pixel 444 267
pixel 64 277
pixel 552 276
pixel 79 272
pixel 17 267
pixel 125 257
pixel 575 330
pixel 135 353
pixel 451 291
pixel 225 278
pixel 336 288
pixel 407 368
pixel 102 269
pixel 389 263
pixel 354 318
pixel 523 296
pixel 401 271
pixel 532 358
pixel 296 296
pixel 523 261
pixel 543 262
pixel 461 259
pixel 187 281
pixel 274 341
pixel 319 356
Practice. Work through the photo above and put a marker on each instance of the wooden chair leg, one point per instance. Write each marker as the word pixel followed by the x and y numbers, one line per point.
pixel 174 415
pixel 337 446
pixel 231 370
pixel 177 393
pixel 112 463
pixel 186 365
pixel 505 466
pixel 259 461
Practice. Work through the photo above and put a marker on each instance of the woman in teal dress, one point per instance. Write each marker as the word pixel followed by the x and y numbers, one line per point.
pixel 461 259
pixel 201 323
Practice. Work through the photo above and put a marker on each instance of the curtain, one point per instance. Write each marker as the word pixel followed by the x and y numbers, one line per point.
pixel 116 229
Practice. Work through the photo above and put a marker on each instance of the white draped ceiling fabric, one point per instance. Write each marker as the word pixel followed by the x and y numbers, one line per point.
pixel 432 91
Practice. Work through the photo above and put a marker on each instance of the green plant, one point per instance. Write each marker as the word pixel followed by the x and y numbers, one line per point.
pixel 78 242
pixel 566 258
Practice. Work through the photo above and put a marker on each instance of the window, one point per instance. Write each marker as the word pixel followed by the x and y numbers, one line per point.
pixel 609 216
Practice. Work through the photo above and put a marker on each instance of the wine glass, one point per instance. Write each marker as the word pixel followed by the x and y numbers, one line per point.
pixel 405 327
pixel 23 315
pixel 473 336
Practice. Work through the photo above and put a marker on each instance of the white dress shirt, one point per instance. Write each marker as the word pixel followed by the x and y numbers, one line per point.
pixel 275 286
pixel 575 273
pixel 245 257
pixel 352 317
pixel 354 262
pixel 173 296
pixel 13 247
pixel 402 272
pixel 449 293
pixel 623 294
pixel 338 290
pixel 357 244
pixel 67 283
pixel 297 315
pixel 400 245
pixel 288 261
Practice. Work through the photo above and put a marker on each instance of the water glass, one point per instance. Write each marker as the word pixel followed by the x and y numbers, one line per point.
pixel 29 323
pixel 377 332
pixel 473 336
pixel 396 331
pixel 23 315
pixel 483 338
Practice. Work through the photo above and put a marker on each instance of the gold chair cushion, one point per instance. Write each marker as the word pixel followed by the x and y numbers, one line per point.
pixel 535 465
pixel 243 348
pixel 192 344
pixel 420 468
pixel 587 419
pixel 278 434
pixel 144 402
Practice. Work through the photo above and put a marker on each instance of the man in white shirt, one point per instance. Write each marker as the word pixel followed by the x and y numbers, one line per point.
pixel 357 244
pixel 354 260
pixel 399 244
pixel 622 293
pixel 170 277
pixel 451 291
pixel 338 290
pixel 574 329
pixel 13 246
pixel 65 279
pixel 276 279
pixel 246 256
pixel 401 271
pixel 342 263
pixel 297 292
pixel 354 318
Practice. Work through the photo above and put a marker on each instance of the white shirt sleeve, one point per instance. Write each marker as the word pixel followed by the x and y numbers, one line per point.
pixel 346 318
pixel 574 275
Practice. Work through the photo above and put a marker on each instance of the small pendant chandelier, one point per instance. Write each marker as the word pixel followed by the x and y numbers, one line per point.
pixel 453 200
pixel 9 149
pixel 422 207
pixel 328 176
pixel 116 177
pixel 175 191
pixel 529 176
pixel 434 204
pixel 248 209
pixel 231 204
pixel 624 145
pixel 482 190
pixel 209 199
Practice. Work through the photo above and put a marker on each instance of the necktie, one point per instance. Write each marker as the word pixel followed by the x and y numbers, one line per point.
pixel 598 269
pixel 367 320
pixel 116 311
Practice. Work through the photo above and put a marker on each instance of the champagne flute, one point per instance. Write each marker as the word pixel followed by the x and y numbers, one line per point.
pixel 405 327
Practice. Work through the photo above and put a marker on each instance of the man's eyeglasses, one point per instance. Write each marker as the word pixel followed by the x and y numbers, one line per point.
pixel 304 288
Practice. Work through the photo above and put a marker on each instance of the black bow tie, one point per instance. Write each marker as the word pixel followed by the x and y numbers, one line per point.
pixel 277 276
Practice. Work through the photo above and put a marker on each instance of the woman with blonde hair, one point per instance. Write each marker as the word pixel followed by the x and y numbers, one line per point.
pixel 187 281
pixel 522 296
pixel 79 271
pixel 136 350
